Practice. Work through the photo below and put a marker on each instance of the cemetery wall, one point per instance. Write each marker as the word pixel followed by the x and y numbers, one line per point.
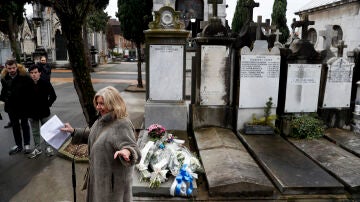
pixel 346 16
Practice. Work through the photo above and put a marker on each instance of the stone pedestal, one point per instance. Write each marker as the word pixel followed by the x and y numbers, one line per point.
pixel 165 71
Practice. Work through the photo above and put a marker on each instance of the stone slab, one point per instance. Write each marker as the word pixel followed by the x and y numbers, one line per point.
pixel 173 116
pixel 142 189
pixel 340 163
pixel 290 170
pixel 229 168
pixel 206 116
pixel 345 139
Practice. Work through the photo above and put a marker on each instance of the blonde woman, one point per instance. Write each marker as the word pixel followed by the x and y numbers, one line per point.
pixel 112 149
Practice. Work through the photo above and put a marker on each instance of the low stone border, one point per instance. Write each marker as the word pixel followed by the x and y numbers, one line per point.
pixel 67 151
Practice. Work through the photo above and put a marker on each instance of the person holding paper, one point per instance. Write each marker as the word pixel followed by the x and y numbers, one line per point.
pixel 112 148
pixel 42 97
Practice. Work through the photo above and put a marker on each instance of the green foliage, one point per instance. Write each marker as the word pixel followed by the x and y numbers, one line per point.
pixel 268 118
pixel 116 54
pixel 134 17
pixel 97 20
pixel 306 127
pixel 240 16
pixel 278 18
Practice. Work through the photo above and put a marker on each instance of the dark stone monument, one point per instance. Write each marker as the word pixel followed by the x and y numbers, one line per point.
pixel 211 103
pixel 299 75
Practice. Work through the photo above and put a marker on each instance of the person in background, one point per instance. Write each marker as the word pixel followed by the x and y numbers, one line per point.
pixel 8 125
pixel 15 90
pixel 45 68
pixel 42 97
pixel 112 148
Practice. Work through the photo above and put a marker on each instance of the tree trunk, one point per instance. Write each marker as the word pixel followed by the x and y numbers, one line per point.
pixel 138 49
pixel 13 31
pixel 80 68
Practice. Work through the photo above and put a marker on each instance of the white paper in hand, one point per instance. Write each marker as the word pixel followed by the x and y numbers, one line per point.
pixel 52 134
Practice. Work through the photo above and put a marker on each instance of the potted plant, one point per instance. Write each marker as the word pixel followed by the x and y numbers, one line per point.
pixel 262 125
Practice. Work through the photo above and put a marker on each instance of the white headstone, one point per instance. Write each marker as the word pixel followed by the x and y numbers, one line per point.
pixel 302 88
pixel 166 66
pixel 338 84
pixel 259 80
pixel 213 63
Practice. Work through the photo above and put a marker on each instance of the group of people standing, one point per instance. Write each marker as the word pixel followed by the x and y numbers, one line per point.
pixel 28 96
pixel 112 148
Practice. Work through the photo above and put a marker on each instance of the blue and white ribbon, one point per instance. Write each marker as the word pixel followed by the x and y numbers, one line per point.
pixel 183 185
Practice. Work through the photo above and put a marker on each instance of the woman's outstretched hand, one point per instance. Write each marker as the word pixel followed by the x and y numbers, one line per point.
pixel 67 128
pixel 124 153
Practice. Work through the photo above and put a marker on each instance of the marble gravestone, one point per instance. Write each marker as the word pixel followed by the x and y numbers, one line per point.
pixel 166 62
pixel 213 75
pixel 259 80
pixel 338 84
pixel 302 88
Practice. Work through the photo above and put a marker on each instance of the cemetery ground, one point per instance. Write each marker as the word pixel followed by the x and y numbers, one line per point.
pixel 263 167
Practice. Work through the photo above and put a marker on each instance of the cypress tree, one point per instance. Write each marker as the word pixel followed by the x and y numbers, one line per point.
pixel 240 16
pixel 278 18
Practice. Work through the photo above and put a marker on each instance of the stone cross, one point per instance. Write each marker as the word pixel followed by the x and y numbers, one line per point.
pixel 215 5
pixel 277 33
pixel 250 5
pixel 327 35
pixel 259 25
pixel 340 46
pixel 304 25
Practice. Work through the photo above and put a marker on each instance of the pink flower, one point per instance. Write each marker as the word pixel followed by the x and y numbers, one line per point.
pixel 156 131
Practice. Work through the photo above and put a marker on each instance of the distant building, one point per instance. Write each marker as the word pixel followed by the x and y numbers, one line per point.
pixel 121 44
pixel 48 36
pixel 5 50
pixel 334 20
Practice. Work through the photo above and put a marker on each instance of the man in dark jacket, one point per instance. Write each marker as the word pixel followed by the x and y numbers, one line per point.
pixel 44 68
pixel 43 96
pixel 14 93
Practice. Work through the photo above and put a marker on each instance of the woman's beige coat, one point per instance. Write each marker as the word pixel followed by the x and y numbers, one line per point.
pixel 109 179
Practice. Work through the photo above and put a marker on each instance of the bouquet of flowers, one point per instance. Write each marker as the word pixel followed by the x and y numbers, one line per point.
pixel 162 155
pixel 156 131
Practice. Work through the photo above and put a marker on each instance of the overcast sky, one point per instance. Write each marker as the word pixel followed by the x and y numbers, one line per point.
pixel 265 9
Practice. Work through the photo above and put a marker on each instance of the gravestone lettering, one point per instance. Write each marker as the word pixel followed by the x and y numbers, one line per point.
pixel 166 72
pixel 259 79
pixel 338 84
pixel 302 89
pixel 212 87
